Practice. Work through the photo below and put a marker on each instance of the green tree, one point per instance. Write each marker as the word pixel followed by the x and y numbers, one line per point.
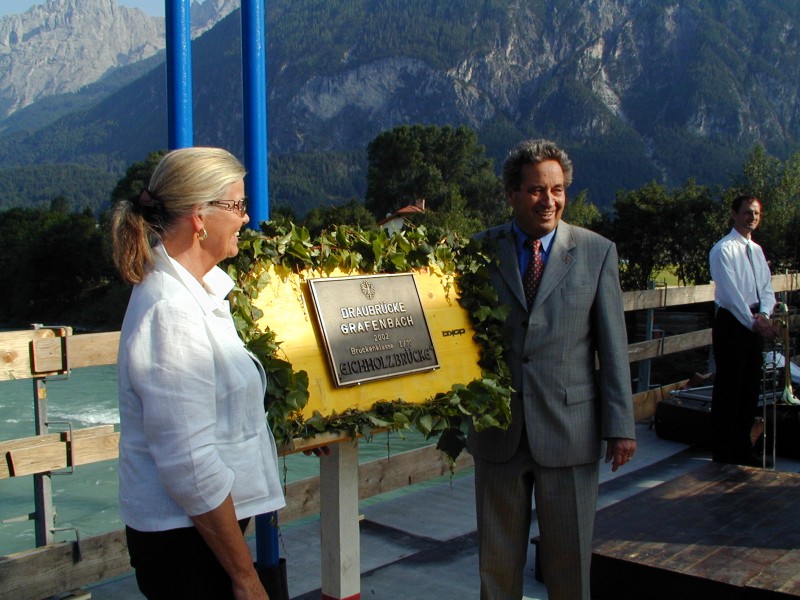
pixel 352 213
pixel 579 211
pixel 437 164
pixel 777 185
pixel 656 229
pixel 454 216
pixel 696 224
pixel 282 215
pixel 640 219
pixel 58 260
pixel 69 260
pixel 137 177
pixel 19 227
pixel 790 201
pixel 59 204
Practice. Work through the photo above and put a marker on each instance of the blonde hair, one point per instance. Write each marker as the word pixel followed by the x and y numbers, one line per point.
pixel 184 180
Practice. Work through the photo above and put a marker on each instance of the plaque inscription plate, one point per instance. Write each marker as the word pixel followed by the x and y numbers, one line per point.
pixel 373 326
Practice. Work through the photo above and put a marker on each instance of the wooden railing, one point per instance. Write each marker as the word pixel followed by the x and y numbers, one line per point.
pixel 37 354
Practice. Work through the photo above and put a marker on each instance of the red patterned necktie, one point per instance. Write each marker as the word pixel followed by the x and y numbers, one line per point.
pixel 533 275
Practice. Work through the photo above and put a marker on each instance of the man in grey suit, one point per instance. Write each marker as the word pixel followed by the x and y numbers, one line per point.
pixel 564 409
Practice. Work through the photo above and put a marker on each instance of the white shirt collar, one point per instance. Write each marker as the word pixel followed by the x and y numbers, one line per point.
pixel 211 293
pixel 735 235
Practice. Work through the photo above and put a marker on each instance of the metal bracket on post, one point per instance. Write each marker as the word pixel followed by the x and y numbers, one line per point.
pixel 77 555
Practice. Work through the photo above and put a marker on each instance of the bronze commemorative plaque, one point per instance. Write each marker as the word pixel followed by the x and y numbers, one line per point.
pixel 373 327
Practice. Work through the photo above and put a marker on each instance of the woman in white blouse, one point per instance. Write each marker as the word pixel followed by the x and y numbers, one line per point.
pixel 196 458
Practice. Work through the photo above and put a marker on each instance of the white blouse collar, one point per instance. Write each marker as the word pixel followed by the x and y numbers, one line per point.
pixel 215 286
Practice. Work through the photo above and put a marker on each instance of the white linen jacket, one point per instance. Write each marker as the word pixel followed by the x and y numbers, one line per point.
pixel 192 422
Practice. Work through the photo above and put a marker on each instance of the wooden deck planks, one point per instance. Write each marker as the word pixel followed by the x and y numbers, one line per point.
pixel 722 528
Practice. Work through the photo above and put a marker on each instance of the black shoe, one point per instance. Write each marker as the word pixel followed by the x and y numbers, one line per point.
pixel 726 459
pixel 756 460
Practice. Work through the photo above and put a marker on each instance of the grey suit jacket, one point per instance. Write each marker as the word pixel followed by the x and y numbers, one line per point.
pixel 566 405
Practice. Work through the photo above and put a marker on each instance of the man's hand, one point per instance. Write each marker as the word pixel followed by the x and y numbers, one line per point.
pixel 619 451
pixel 765 327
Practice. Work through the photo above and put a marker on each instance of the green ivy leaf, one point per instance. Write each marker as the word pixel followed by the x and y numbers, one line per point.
pixel 485 401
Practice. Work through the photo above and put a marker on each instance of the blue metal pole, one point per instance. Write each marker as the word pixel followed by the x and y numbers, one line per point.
pixel 254 78
pixel 179 73
pixel 268 552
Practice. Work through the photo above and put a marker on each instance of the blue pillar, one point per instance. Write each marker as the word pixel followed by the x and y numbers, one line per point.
pixel 179 73
pixel 254 81
pixel 268 551
pixel 254 78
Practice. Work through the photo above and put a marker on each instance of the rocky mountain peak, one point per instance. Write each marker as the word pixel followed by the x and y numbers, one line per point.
pixel 62 45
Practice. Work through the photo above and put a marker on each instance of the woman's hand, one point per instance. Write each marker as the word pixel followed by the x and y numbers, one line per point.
pixel 321 451
pixel 221 532
pixel 250 589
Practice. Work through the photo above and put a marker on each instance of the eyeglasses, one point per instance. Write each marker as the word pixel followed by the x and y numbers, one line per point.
pixel 239 206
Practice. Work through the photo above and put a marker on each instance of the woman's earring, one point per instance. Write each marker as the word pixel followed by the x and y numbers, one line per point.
pixel 202 234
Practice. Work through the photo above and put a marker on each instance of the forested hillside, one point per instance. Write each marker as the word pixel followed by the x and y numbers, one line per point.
pixel 636 91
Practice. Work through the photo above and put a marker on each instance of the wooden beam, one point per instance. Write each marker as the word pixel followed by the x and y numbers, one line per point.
pixel 43 453
pixel 38 352
pixel 667 296
pixel 676 295
pixel 786 282
pixel 318 441
pixel 53 569
pixel 93 349
pixel 395 472
pixel 375 477
pixel 669 345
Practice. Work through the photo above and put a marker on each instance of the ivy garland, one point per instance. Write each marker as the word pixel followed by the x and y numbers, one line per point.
pixel 486 401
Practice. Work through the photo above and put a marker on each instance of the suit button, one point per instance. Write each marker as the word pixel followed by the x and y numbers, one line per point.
pixel 525 360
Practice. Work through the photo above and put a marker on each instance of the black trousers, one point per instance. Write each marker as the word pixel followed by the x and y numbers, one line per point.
pixel 177 564
pixel 737 384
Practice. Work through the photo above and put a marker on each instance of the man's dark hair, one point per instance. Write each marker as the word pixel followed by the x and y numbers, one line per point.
pixel 737 202
pixel 532 152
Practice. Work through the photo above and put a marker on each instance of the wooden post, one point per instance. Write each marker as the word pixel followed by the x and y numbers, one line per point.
pixel 339 532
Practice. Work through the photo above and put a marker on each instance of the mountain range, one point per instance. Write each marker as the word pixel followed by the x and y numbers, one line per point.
pixel 636 90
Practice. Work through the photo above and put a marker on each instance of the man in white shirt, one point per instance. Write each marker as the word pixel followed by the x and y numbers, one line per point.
pixel 744 298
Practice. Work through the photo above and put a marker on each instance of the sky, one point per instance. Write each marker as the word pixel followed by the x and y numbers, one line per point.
pixel 154 8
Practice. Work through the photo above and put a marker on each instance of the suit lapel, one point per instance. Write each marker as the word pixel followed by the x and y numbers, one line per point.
pixel 559 262
pixel 509 265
